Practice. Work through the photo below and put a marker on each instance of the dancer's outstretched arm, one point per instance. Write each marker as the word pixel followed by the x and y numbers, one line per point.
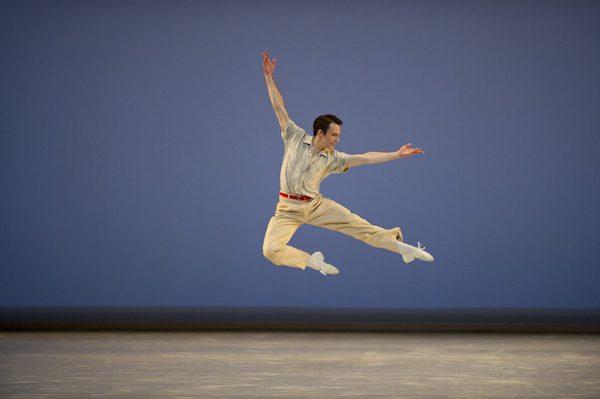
pixel 379 157
pixel 274 93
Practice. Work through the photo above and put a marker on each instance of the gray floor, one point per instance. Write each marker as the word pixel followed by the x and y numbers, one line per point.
pixel 297 365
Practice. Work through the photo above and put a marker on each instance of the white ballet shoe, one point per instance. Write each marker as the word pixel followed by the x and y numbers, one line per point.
pixel 410 253
pixel 317 262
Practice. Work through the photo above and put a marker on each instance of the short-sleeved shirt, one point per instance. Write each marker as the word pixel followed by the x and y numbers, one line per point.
pixel 303 169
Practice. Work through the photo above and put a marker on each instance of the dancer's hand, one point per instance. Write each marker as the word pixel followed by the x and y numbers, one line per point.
pixel 268 64
pixel 407 151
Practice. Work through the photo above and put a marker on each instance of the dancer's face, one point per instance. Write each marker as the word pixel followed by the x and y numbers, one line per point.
pixel 332 137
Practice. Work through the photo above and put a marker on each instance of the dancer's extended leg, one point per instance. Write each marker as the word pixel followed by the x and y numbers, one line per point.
pixel 331 215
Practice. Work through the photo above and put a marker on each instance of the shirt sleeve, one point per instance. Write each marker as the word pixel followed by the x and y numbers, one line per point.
pixel 339 163
pixel 291 132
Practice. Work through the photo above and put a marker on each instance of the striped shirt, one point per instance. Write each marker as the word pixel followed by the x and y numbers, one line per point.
pixel 303 170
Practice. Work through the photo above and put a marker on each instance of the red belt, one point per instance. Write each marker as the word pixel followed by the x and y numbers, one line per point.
pixel 295 197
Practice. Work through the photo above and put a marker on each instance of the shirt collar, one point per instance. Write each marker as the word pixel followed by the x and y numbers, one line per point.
pixel 325 151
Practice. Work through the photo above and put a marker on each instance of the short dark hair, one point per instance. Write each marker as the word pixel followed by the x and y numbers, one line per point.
pixel 323 121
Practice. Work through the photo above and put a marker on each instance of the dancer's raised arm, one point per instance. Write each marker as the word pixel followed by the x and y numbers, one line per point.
pixel 274 93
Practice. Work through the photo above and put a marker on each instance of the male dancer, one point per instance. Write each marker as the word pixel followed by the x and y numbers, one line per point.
pixel 307 161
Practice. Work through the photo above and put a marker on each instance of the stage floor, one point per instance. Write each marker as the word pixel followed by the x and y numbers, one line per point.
pixel 297 365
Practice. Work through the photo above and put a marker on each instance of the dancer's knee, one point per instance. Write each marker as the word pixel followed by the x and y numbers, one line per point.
pixel 270 252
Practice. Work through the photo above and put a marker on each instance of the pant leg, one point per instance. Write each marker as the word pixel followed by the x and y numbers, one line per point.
pixel 333 216
pixel 280 230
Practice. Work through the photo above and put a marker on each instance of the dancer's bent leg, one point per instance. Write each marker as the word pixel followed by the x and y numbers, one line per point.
pixel 280 230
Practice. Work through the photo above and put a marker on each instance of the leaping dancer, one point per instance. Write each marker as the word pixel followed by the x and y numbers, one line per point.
pixel 306 162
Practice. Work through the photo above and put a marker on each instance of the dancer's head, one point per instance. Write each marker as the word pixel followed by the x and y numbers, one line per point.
pixel 323 121
pixel 327 128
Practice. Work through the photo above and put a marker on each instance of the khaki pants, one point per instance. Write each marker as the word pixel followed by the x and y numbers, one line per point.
pixel 323 212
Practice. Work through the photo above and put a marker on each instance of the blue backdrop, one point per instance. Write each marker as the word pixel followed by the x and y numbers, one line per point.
pixel 140 155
